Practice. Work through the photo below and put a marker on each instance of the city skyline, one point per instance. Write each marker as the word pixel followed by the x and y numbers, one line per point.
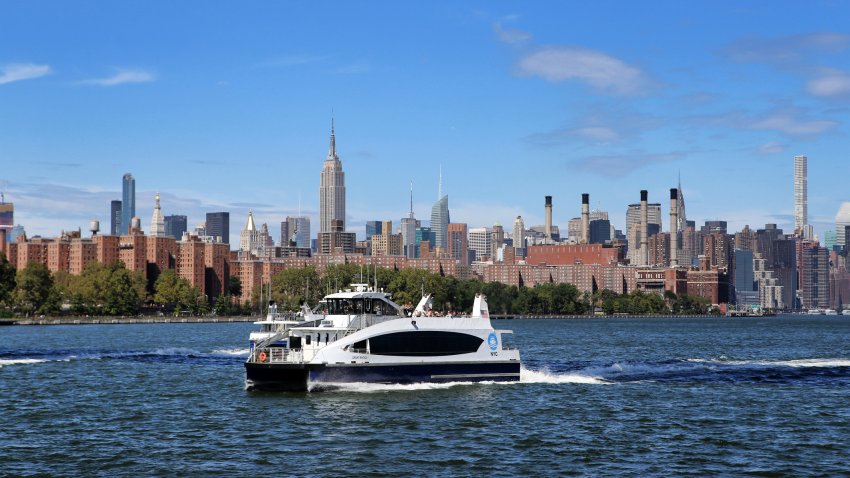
pixel 513 99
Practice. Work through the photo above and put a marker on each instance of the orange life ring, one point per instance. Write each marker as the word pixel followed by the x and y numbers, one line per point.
pixel 262 357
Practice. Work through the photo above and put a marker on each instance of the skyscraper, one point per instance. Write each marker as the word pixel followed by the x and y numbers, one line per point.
pixel 801 198
pixel 481 243
pixel 440 216
pixel 251 239
pixel 7 222
pixel 440 222
pixel 496 241
pixel 458 242
pixel 297 230
pixel 218 225
pixel 633 229
pixel 842 219
pixel 128 203
pixel 157 221
pixel 175 226
pixel 115 218
pixel 372 228
pixel 408 231
pixel 331 189
pixel 519 237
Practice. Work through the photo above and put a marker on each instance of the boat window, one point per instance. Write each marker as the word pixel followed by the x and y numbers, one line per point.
pixel 357 347
pixel 368 309
pixel 358 306
pixel 424 343
pixel 295 342
pixel 379 307
pixel 307 339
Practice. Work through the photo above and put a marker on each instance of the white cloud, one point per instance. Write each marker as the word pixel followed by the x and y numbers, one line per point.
pixel 619 165
pixel 786 49
pixel 830 82
pixel 511 35
pixel 121 77
pixel 592 67
pixel 772 147
pixel 601 134
pixel 22 71
pixel 785 123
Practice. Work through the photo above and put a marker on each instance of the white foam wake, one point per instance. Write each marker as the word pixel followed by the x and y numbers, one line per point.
pixel 544 376
pixel 231 352
pixel 23 361
pixel 796 363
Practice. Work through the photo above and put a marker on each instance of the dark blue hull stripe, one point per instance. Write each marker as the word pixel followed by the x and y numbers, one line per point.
pixel 298 376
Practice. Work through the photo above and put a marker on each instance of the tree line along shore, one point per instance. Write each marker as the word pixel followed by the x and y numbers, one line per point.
pixel 110 290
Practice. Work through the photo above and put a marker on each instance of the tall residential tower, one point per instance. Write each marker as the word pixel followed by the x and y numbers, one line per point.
pixel 128 202
pixel 801 196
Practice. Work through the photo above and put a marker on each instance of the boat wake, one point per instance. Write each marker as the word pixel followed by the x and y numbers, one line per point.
pixel 165 355
pixel 25 361
pixel 545 376
pixel 699 370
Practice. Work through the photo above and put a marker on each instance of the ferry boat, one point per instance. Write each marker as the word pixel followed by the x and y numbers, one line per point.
pixel 361 335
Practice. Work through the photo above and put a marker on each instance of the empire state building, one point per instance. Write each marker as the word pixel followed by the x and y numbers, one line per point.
pixel 332 189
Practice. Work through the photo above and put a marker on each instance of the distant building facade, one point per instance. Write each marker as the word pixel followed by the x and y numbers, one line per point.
pixel 218 226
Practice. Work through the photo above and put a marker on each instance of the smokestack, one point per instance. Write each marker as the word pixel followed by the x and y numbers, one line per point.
pixel 548 219
pixel 674 227
pixel 585 218
pixel 644 227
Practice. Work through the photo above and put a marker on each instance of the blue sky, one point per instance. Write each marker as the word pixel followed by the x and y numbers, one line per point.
pixel 227 106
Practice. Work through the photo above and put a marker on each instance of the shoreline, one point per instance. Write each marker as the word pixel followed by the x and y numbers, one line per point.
pixel 213 320
pixel 125 320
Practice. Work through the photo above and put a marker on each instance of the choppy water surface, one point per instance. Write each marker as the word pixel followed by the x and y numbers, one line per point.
pixel 766 397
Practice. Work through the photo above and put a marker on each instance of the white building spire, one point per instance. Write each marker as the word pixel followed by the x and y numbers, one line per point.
pixel 157 220
pixel 332 156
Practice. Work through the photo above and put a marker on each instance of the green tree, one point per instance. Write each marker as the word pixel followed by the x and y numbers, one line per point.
pixel 33 287
pixel 293 287
pixel 235 286
pixel 223 305
pixel 173 292
pixel 123 297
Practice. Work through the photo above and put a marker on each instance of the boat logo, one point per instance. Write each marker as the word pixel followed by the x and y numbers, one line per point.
pixel 493 341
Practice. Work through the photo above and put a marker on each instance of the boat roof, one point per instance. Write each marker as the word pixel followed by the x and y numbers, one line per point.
pixel 358 291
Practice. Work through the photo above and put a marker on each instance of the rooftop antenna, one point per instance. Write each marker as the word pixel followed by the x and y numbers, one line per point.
pixel 411 198
pixel 440 184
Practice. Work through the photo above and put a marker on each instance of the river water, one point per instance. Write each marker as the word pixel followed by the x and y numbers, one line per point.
pixel 625 397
